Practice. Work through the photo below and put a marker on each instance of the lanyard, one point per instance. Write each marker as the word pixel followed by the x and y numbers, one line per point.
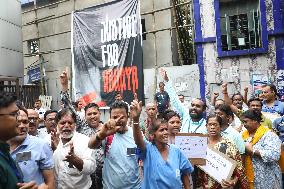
pixel 199 125
pixel 13 167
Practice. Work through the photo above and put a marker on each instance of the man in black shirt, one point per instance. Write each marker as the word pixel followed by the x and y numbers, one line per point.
pixel 10 175
pixel 162 100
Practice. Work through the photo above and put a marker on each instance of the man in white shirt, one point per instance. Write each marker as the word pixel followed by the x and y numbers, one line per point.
pixel 74 161
pixel 41 111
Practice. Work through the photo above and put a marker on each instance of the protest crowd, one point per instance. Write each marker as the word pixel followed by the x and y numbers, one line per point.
pixel 72 148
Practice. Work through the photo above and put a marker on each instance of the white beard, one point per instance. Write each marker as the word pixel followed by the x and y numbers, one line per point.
pixel 67 136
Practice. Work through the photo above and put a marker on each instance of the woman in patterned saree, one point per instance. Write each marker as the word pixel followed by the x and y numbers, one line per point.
pixel 262 153
pixel 224 145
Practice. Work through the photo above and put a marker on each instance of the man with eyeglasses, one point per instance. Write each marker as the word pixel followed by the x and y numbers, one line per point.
pixel 11 177
pixel 34 123
pixel 32 154
pixel 49 123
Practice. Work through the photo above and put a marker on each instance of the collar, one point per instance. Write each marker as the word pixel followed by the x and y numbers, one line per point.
pixel 227 129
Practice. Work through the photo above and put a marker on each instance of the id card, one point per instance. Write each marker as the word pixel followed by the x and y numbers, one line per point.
pixel 131 151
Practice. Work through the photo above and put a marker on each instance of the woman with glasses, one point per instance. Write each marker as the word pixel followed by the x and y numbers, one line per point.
pixel 224 145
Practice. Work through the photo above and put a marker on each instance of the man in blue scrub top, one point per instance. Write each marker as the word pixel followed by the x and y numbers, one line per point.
pixel 120 163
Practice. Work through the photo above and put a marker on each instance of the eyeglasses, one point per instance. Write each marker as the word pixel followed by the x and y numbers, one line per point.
pixel 14 114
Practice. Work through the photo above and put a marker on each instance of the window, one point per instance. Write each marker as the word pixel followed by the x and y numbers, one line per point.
pixel 240 26
pixel 33 46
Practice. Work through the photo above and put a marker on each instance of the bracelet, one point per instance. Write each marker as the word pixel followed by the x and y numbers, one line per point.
pixel 135 123
pixel 225 93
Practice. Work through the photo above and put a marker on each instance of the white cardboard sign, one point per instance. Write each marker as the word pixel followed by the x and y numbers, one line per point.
pixel 192 145
pixel 218 165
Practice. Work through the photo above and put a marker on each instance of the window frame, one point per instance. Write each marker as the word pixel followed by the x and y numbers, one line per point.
pixel 264 34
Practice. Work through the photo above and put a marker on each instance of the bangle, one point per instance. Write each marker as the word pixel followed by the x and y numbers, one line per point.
pixel 135 123
pixel 225 93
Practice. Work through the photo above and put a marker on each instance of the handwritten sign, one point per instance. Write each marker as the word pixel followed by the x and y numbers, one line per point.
pixel 193 146
pixel 218 165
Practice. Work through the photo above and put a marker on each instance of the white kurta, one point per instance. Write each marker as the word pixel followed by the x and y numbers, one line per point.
pixel 66 177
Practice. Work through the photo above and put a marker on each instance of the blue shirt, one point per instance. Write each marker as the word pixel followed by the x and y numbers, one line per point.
pixel 278 126
pixel 121 169
pixel 187 125
pixel 161 174
pixel 236 137
pixel 278 107
pixel 33 156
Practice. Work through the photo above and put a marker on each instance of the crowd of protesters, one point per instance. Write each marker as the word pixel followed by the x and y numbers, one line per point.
pixel 73 148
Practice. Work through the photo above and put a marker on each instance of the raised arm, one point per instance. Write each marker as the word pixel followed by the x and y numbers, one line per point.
pixel 109 128
pixel 246 95
pixel 214 98
pixel 176 103
pixel 228 101
pixel 135 111
pixel 65 98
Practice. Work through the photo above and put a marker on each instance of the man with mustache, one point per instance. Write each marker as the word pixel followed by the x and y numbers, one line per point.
pixel 74 161
pixel 88 127
pixel 49 123
pixel 192 118
pixel 32 154
pixel 120 163
pixel 33 117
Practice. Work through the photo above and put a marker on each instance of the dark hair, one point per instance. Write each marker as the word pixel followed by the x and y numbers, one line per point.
pixel 204 103
pixel 237 94
pixel 37 100
pixel 254 99
pixel 218 118
pixel 272 88
pixel 118 93
pixel 253 115
pixel 6 99
pixel 64 112
pixel 49 112
pixel 75 104
pixel 168 114
pixel 91 105
pixel 21 107
pixel 162 83
pixel 118 105
pixel 225 108
pixel 156 125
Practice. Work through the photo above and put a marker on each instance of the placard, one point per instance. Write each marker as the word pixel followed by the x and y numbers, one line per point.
pixel 193 146
pixel 218 165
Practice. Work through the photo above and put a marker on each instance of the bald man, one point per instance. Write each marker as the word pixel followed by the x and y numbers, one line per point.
pixel 33 117
pixel 151 111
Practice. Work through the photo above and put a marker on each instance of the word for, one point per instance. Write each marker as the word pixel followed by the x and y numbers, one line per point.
pixel 120 79
pixel 110 54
